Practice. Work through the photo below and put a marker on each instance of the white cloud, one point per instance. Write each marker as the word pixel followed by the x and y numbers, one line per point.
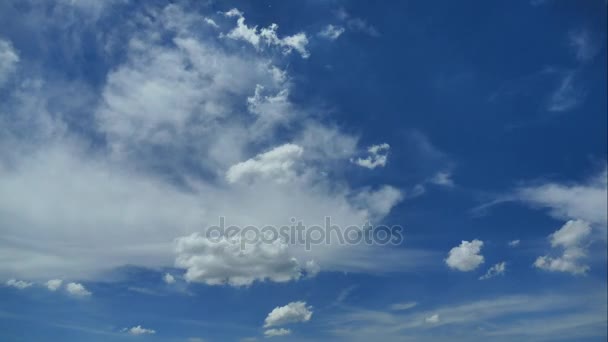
pixel 567 95
pixel 174 116
pixel 138 330
pixel 267 35
pixel 18 284
pixel 211 22
pixel 277 332
pixel 276 164
pixel 403 306
pixel 225 261
pixel 432 319
pixel 54 284
pixel 586 201
pixel 572 238
pixel 77 290
pixel 168 278
pixel 443 179
pixel 332 32
pixel 377 157
pixel 8 60
pixel 465 257
pixel 513 243
pixel 494 271
pixel 293 312
pixel 357 24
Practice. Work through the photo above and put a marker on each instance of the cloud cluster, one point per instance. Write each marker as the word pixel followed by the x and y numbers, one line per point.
pixel 294 312
pixel 465 257
pixel 572 238
pixel 139 330
pixel 494 271
pixel 183 130
pixel 378 155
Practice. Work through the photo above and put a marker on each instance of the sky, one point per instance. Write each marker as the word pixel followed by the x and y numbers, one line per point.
pixel 476 131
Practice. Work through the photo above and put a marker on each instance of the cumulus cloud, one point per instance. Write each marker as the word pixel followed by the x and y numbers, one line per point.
pixel 267 35
pixel 139 330
pixel 77 290
pixel 466 257
pixel 176 115
pixel 277 332
pixel 54 284
pixel 293 312
pixel 377 157
pixel 18 284
pixel 572 238
pixel 331 32
pixel 224 261
pixel 494 271
pixel 276 164
pixel 168 278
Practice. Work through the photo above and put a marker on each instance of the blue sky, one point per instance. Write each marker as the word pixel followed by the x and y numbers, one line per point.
pixel 127 129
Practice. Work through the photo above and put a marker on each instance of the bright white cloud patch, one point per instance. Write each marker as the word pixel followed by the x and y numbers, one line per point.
pixel 378 155
pixel 168 278
pixel 572 239
pixel 293 312
pixel 498 269
pixel 277 332
pixel 53 284
pixel 331 32
pixel 225 261
pixel 267 36
pixel 465 257
pixel 77 290
pixel 276 164
pixel 18 284
pixel 139 330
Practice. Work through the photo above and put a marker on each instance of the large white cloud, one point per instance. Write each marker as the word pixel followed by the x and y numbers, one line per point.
pixel 465 257
pixel 160 136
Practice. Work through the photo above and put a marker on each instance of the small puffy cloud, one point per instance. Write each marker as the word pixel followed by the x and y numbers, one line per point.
pixel 572 238
pixel 77 290
pixel 223 261
pixel 293 312
pixel 513 243
pixel 432 319
pixel 234 13
pixel 139 330
pixel 276 164
pixel 403 306
pixel 8 60
pixel 331 32
pixel 277 332
pixel 18 284
pixel 168 278
pixel 465 257
pixel 53 284
pixel 377 157
pixel 494 271
pixel 443 179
